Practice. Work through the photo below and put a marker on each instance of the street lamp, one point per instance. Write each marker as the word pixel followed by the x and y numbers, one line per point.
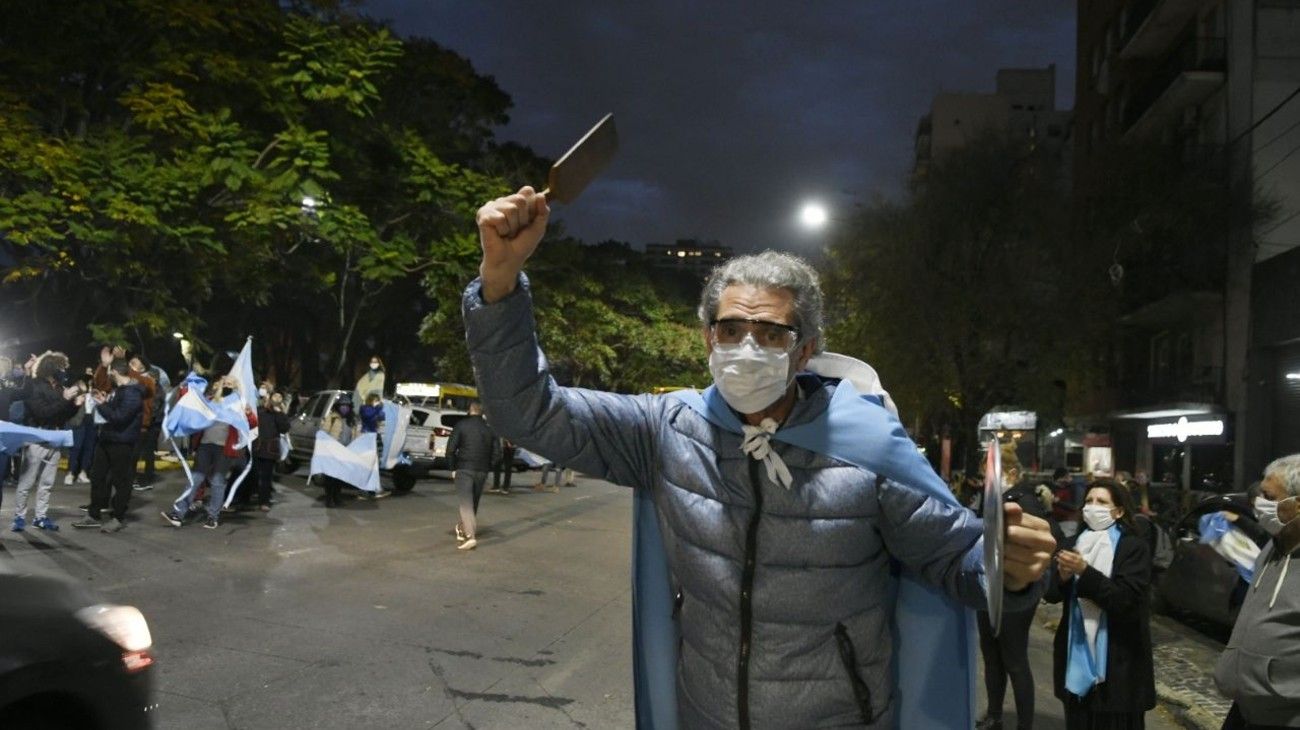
pixel 813 216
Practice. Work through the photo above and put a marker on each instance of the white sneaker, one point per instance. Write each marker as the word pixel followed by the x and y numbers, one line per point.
pixel 67 481
pixel 460 534
pixel 469 544
pixel 83 479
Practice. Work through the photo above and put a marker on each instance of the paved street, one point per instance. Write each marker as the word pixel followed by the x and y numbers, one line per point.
pixel 367 616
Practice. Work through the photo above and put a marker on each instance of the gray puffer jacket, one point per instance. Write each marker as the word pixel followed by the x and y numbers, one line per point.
pixel 808 569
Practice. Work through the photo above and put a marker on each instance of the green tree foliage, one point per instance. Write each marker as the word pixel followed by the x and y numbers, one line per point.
pixel 605 318
pixel 964 295
pixel 156 156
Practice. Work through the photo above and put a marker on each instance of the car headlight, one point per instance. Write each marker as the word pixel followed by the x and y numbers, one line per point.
pixel 126 627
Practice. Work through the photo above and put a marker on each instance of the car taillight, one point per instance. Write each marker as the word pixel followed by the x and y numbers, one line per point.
pixel 441 431
pixel 126 627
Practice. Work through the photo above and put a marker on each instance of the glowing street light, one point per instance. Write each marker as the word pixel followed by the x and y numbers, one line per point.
pixel 813 216
pixel 309 204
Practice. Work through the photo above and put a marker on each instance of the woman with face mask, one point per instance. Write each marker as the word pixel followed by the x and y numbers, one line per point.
pixel 1103 668
pixel 343 425
pixel 1260 668
pixel 371 381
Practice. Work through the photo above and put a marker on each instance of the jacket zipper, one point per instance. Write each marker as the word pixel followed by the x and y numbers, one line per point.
pixel 747 599
pixel 850 659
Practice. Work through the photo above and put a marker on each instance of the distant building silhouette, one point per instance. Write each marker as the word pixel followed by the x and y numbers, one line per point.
pixel 689 254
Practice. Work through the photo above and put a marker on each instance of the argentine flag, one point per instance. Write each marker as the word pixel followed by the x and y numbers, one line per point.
pixel 396 419
pixel 356 464
pixel 13 437
pixel 231 410
pixel 190 415
pixel 246 390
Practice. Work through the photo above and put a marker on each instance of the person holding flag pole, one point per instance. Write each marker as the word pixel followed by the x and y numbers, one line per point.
pixel 227 423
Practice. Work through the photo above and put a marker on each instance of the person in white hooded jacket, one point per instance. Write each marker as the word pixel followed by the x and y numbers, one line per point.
pixel 1260 668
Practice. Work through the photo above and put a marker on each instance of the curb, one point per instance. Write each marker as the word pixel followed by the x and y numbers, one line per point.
pixel 1186 709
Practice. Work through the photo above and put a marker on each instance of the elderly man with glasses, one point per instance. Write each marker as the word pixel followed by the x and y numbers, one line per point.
pixel 790 541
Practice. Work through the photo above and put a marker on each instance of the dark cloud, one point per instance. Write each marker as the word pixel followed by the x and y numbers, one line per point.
pixel 730 114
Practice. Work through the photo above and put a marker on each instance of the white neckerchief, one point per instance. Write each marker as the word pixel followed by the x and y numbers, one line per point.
pixel 758 445
pixel 826 364
pixel 1096 548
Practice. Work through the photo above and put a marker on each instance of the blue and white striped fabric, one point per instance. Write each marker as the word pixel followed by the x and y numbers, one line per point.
pixel 190 415
pixel 246 390
pixel 356 464
pixel 396 419
pixel 13 437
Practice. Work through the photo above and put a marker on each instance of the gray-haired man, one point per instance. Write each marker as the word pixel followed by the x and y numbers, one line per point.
pixel 1260 668
pixel 780 555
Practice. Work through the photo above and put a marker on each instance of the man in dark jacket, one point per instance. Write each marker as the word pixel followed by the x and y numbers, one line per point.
pixel 49 405
pixel 271 422
pixel 122 412
pixel 471 450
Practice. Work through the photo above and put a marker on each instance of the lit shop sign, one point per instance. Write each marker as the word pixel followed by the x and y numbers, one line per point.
pixel 1183 429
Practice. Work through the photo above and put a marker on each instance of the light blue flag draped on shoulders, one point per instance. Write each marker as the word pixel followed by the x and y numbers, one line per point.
pixel 935 664
pixel 13 437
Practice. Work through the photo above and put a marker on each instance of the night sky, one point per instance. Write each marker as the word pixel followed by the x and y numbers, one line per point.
pixel 732 114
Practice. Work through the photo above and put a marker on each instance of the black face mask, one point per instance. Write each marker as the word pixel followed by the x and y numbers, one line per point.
pixel 345 410
pixel 227 391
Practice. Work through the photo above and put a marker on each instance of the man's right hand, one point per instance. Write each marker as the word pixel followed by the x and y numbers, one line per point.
pixel 509 229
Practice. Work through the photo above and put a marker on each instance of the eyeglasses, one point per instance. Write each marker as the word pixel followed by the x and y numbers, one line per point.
pixel 769 335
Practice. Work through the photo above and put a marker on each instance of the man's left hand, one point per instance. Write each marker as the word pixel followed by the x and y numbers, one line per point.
pixel 1027 552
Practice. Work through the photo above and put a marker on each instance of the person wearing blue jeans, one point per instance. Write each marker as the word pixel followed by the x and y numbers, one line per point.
pixel 83 449
pixel 211 463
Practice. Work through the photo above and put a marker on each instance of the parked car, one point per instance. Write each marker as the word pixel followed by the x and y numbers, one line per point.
pixel 1199 581
pixel 425 445
pixel 68 661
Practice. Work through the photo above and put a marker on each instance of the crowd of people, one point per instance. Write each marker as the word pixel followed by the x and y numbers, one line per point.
pixel 1103 668
pixel 115 411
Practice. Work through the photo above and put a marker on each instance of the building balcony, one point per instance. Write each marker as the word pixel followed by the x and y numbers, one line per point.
pixel 1154 25
pixel 1189 76
pixel 1146 392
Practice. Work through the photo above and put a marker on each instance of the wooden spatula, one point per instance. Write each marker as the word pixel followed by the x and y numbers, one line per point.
pixel 571 174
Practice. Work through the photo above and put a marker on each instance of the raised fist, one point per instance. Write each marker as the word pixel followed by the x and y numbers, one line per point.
pixel 509 229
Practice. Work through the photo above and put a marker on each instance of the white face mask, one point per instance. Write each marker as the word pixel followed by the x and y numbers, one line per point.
pixel 1098 517
pixel 263 392
pixel 1266 510
pixel 374 366
pixel 750 378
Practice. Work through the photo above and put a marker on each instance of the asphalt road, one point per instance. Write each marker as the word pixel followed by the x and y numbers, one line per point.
pixel 368 616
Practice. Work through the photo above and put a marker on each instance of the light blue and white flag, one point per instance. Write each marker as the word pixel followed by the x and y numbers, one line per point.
pixel 230 409
pixel 191 414
pixel 246 389
pixel 13 437
pixel 396 419
pixel 356 464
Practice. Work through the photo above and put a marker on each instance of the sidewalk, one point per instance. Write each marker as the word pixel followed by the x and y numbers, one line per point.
pixel 1184 668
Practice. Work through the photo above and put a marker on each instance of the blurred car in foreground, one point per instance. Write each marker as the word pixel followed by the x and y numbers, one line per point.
pixel 69 661
pixel 1199 581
